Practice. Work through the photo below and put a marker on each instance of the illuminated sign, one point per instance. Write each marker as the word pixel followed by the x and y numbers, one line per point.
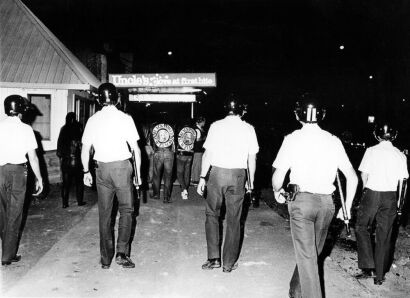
pixel 162 97
pixel 164 80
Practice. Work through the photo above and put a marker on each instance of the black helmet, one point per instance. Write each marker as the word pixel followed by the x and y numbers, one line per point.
pixel 14 105
pixel 308 110
pixel 385 132
pixel 233 106
pixel 107 94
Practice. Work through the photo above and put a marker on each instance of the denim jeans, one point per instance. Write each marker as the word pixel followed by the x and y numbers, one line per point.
pixel 184 170
pixel 228 184
pixel 310 217
pixel 196 166
pixel 163 162
pixel 114 178
pixel 382 207
pixel 13 181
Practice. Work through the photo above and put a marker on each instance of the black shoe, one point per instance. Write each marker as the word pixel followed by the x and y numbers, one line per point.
pixel 124 261
pixel 16 259
pixel 104 266
pixel 154 197
pixel 169 200
pixel 82 203
pixel 379 282
pixel 211 264
pixel 230 269
pixel 65 206
pixel 366 273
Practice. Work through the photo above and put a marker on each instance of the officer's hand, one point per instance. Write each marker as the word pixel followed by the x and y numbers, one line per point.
pixel 39 187
pixel 201 187
pixel 88 179
pixel 279 197
pixel 340 214
pixel 248 187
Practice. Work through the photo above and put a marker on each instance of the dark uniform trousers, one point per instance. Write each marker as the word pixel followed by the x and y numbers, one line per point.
pixel 13 179
pixel 382 206
pixel 228 184
pixel 310 217
pixel 184 161
pixel 163 162
pixel 114 178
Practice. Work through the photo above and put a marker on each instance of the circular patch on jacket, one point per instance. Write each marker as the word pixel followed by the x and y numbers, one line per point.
pixel 163 135
pixel 186 138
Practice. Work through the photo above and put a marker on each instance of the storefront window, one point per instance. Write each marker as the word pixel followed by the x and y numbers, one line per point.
pixel 41 123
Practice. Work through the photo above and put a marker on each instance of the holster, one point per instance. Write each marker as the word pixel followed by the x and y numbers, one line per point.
pixel 292 190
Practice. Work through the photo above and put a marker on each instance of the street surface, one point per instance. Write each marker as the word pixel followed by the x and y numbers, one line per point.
pixel 60 255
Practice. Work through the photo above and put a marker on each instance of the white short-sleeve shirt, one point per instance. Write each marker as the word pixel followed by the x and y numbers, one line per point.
pixel 109 131
pixel 230 141
pixel 313 156
pixel 17 138
pixel 385 165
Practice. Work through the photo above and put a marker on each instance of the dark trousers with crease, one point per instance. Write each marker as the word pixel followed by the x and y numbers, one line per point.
pixel 382 207
pixel 114 178
pixel 13 181
pixel 228 184
pixel 310 217
pixel 184 170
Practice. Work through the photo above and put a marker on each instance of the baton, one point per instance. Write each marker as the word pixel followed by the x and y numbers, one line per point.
pixel 402 195
pixel 136 184
pixel 344 211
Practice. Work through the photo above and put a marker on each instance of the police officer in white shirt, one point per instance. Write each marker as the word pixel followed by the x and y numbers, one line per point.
pixel 382 167
pixel 17 140
pixel 313 156
pixel 111 133
pixel 230 146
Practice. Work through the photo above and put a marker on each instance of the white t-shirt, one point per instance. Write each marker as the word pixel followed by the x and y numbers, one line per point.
pixel 313 155
pixel 109 131
pixel 386 165
pixel 17 138
pixel 229 143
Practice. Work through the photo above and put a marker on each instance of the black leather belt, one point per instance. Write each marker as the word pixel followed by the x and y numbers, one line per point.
pixel 185 153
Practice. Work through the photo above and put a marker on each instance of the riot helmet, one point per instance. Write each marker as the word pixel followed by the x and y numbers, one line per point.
pixel 385 132
pixel 14 105
pixel 233 106
pixel 107 94
pixel 308 110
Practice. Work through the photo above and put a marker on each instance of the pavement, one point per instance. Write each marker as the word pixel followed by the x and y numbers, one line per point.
pixel 169 248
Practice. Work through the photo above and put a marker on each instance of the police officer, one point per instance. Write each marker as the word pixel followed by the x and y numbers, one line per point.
pixel 382 167
pixel 313 155
pixel 185 141
pixel 230 146
pixel 163 143
pixel 110 132
pixel 17 140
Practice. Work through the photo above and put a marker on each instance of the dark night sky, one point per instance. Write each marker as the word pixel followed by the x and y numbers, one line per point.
pixel 265 49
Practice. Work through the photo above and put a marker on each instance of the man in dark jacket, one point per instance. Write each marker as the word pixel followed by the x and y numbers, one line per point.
pixel 69 152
